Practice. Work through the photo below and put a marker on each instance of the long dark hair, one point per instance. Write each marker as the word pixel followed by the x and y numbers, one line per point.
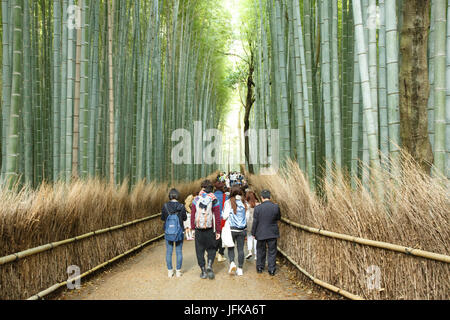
pixel 236 191
pixel 251 198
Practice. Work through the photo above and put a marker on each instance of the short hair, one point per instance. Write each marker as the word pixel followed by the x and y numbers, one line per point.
pixel 219 186
pixel 174 194
pixel 207 186
pixel 265 194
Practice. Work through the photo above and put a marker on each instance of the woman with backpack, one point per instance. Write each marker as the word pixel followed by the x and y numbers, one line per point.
pixel 174 214
pixel 205 220
pixel 235 211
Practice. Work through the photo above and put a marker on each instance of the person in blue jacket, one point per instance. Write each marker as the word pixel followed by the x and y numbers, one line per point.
pixel 174 207
pixel 235 210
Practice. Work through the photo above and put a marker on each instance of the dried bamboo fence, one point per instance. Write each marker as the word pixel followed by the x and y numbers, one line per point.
pixel 104 264
pixel 327 238
pixel 57 222
pixel 372 243
pixel 104 244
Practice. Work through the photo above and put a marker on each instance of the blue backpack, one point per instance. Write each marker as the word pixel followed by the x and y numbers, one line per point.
pixel 173 230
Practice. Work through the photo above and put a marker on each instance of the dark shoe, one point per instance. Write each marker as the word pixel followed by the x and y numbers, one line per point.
pixel 203 275
pixel 210 271
pixel 259 270
pixel 272 273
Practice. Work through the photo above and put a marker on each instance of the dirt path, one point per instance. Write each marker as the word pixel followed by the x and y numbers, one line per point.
pixel 144 277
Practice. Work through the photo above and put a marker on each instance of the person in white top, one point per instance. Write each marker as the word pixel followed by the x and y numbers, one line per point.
pixel 235 211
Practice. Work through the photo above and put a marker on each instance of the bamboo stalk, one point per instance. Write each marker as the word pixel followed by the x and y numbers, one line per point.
pixel 48 246
pixel 372 243
pixel 321 283
pixel 59 285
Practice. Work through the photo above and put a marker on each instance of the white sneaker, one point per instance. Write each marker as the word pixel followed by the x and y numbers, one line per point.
pixel 170 273
pixel 179 274
pixel 249 255
pixel 232 268
pixel 239 272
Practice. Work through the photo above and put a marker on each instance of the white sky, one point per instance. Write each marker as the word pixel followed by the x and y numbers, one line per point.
pixel 231 147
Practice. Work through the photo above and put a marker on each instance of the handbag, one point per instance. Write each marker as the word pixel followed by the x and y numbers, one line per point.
pixel 227 238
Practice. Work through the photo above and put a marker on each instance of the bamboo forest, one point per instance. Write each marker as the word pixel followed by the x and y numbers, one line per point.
pixel 339 108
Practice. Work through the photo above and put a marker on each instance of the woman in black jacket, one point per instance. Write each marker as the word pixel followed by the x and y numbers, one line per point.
pixel 174 207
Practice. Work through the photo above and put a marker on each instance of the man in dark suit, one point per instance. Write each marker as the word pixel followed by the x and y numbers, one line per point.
pixel 265 230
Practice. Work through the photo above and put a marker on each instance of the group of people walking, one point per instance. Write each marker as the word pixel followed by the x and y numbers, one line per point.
pixel 231 179
pixel 221 218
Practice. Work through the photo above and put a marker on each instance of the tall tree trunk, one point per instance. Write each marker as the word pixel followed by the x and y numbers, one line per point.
pixel 414 82
pixel 250 99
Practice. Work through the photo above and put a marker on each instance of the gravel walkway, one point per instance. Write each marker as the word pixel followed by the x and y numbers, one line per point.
pixel 144 277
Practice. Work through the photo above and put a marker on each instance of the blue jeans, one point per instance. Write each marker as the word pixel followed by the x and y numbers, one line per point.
pixel 179 253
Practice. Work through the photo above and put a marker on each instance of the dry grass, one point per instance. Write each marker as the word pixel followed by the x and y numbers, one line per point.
pixel 29 218
pixel 414 213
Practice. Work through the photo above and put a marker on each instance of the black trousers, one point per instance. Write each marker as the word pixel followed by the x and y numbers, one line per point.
pixel 219 247
pixel 205 240
pixel 262 248
pixel 239 240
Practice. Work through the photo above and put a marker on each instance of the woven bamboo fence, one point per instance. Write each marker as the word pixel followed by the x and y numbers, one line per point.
pixel 84 224
pixel 396 248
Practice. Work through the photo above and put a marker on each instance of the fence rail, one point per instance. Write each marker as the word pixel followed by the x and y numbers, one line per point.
pixel 22 254
pixel 321 283
pixel 59 285
pixel 372 243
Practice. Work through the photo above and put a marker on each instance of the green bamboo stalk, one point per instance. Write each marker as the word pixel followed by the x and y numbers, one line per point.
pixel 63 104
pixel 12 173
pixel 84 110
pixel 69 100
pixel 365 86
pixel 284 120
pixel 306 93
pixel 373 68
pixel 392 67
pixel 355 123
pixel 56 86
pixel 93 94
pixel 27 101
pixel 431 73
pixel 326 83
pixel 297 90
pixel 112 170
pixel 76 103
pixel 6 80
pixel 337 136
pixel 439 85
pixel 383 114
pixel 447 104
